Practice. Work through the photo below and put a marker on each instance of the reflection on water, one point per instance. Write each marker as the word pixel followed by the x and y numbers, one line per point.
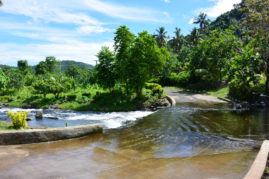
pixel 179 142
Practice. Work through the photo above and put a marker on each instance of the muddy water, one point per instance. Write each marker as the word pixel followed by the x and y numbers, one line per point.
pixel 179 142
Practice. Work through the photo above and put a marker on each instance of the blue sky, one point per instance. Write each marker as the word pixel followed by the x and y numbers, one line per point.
pixel 76 29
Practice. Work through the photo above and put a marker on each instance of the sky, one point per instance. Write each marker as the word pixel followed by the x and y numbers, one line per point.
pixel 77 29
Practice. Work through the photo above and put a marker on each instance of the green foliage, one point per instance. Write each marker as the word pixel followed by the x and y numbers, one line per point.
pixel 123 42
pixel 155 88
pixel 106 75
pixel 239 90
pixel 47 66
pixel 23 66
pixel 181 79
pixel 214 53
pixel 3 80
pixel 146 60
pixel 18 119
pixel 16 78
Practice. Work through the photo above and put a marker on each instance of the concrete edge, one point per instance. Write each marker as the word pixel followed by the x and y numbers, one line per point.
pixel 257 169
pixel 226 100
pixel 171 100
pixel 46 135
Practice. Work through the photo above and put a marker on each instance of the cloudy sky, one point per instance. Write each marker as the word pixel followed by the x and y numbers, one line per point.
pixel 76 29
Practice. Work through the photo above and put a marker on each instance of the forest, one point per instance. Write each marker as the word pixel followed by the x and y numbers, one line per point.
pixel 230 54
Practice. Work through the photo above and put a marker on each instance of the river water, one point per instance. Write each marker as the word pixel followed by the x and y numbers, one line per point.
pixel 185 141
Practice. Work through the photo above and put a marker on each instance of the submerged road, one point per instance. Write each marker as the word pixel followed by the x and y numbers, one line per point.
pixel 185 97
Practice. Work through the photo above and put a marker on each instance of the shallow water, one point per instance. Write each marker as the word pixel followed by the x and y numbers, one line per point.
pixel 180 142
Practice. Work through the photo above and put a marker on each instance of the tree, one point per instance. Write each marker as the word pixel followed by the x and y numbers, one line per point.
pixel 161 37
pixel 16 79
pixel 23 66
pixel 41 68
pixel 3 80
pixel 202 20
pixel 214 53
pixel 146 61
pixel 258 23
pixel 1 3
pixel 51 64
pixel 195 36
pixel 123 42
pixel 177 41
pixel 106 77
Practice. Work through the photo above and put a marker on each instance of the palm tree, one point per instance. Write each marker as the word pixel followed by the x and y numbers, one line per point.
pixel 177 41
pixel 161 37
pixel 202 20
pixel 195 36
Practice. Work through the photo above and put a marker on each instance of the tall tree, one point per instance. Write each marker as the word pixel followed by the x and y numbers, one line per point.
pixel 202 20
pixel 195 36
pixel 258 23
pixel 106 69
pixel 177 41
pixel 51 64
pixel 123 42
pixel 161 37
pixel 3 80
pixel 146 60
pixel 41 68
pixel 23 66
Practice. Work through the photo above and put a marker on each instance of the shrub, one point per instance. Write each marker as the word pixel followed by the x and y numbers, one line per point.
pixel 155 88
pixel 18 119
pixel 181 79
pixel 239 90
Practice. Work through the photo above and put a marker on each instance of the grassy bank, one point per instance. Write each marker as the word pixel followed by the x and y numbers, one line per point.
pixel 5 126
pixel 88 99
pixel 221 93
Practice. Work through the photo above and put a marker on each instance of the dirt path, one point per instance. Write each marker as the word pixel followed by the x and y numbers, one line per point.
pixel 185 97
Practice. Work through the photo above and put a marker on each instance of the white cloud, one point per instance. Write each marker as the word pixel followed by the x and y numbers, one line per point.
pixel 127 13
pixel 79 51
pixel 166 1
pixel 220 7
pixel 92 29
pixel 191 21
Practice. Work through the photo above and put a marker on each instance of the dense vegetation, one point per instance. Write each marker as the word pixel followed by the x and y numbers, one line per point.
pixel 230 53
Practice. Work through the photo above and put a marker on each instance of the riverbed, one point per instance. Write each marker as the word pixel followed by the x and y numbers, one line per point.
pixel 185 141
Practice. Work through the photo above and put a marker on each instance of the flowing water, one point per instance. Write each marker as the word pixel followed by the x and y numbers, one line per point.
pixel 180 142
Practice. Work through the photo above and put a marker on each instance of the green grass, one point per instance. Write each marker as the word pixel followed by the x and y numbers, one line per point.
pixel 6 126
pixel 99 100
pixel 221 93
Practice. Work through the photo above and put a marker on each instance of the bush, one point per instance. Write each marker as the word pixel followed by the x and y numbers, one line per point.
pixel 155 88
pixel 18 119
pixel 182 79
pixel 239 90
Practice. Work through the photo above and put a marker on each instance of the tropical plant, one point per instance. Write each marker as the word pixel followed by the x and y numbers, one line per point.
pixel 106 77
pixel 146 61
pixel 202 20
pixel 161 37
pixel 18 119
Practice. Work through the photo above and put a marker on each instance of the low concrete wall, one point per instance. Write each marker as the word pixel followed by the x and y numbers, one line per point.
pixel 171 100
pixel 45 135
pixel 257 169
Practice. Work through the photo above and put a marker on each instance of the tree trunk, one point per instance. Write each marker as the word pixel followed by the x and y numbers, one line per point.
pixel 267 81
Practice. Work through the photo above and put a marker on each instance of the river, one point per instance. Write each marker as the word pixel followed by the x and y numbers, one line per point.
pixel 186 141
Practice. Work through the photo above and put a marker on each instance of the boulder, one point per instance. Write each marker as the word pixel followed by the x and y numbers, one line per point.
pixel 29 119
pixel 39 115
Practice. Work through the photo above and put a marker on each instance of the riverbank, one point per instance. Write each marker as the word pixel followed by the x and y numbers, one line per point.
pixel 93 99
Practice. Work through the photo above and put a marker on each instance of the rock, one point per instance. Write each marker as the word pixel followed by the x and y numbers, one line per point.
pixel 52 117
pixel 29 119
pixel 31 105
pixel 39 115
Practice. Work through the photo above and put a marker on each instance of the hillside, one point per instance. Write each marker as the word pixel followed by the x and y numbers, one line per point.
pixel 64 65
